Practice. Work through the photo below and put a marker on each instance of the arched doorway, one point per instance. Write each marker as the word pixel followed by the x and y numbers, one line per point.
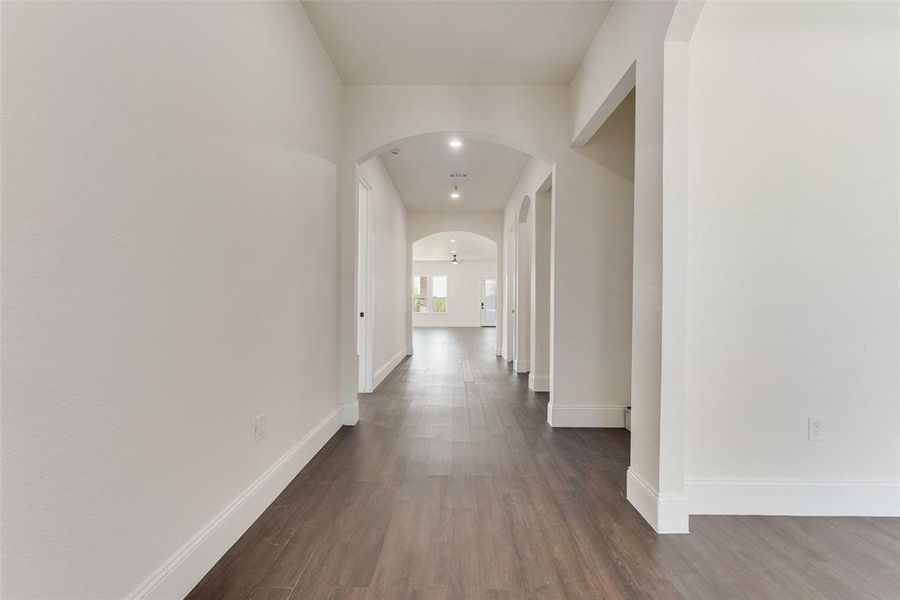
pixel 454 280
pixel 486 224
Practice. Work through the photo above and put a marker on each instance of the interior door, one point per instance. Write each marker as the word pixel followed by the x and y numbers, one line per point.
pixel 364 338
pixel 488 302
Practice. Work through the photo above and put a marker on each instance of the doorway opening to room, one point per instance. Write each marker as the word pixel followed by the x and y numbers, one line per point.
pixel 488 301
pixel 454 280
pixel 612 147
pixel 364 292
pixel 440 200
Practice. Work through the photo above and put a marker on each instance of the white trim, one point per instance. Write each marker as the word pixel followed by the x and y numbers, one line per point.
pixel 181 571
pixel 586 416
pixel 521 365
pixel 740 496
pixel 642 496
pixel 350 413
pixel 538 383
pixel 387 367
pixel 666 513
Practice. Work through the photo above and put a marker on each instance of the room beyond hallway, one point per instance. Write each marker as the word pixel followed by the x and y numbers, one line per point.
pixel 454 486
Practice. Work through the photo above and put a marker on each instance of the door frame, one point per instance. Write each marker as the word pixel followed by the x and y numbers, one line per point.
pixel 483 309
pixel 509 306
pixel 365 298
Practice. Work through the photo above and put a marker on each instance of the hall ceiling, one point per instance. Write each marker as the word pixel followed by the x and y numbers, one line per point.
pixel 469 247
pixel 484 172
pixel 456 42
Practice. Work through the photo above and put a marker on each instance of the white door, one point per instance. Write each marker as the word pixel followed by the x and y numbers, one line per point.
pixel 488 302
pixel 364 339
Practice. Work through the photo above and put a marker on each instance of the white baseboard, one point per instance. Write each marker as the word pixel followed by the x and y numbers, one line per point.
pixel 386 369
pixel 350 413
pixel 793 497
pixel 181 571
pixel 521 366
pixel 453 325
pixel 586 416
pixel 666 513
pixel 538 383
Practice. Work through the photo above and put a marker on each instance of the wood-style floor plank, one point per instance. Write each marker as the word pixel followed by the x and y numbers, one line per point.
pixel 454 487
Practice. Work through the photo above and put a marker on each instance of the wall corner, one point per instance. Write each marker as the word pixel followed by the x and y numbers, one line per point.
pixel 666 513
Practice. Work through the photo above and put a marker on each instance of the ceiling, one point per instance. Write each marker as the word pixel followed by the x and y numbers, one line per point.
pixel 456 42
pixel 469 247
pixel 421 172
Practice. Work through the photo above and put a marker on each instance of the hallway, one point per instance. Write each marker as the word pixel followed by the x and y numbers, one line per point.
pixel 453 486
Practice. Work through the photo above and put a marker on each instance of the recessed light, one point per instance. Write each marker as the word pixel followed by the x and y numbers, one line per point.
pixel 452 241
pixel 455 143
pixel 454 195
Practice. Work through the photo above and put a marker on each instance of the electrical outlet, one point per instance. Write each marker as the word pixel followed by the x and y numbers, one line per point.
pixel 816 428
pixel 259 427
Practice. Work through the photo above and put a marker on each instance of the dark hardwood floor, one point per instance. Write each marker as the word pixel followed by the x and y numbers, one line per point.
pixel 453 486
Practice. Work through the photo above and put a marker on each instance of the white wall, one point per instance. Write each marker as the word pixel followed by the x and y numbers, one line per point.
pixel 169 193
pixel 793 259
pixel 486 223
pixel 530 181
pixel 521 361
pixel 539 376
pixel 389 265
pixel 627 53
pixel 463 292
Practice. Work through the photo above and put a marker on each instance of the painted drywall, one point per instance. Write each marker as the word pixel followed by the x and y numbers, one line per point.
pixel 539 363
pixel 793 259
pixel 530 181
pixel 486 223
pixel 522 307
pixel 628 53
pixel 463 292
pixel 388 264
pixel 168 196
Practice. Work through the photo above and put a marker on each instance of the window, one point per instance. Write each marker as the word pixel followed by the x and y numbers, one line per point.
pixel 439 296
pixel 429 299
pixel 420 294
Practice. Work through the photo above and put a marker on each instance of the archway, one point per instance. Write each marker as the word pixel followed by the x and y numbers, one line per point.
pixel 486 226
pixel 454 280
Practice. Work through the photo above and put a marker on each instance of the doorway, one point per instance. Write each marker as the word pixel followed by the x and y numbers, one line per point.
pixel 509 286
pixel 488 301
pixel 364 298
pixel 541 260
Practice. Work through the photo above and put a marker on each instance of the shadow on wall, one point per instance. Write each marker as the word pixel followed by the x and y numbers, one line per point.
pixel 613 144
